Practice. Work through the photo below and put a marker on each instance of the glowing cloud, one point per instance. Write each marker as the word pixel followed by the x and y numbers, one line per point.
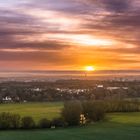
pixel 83 40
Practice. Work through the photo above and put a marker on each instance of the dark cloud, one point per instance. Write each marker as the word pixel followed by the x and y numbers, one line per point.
pixel 83 6
pixel 68 6
pixel 116 5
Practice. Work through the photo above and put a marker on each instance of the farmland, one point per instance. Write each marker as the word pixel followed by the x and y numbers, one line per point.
pixel 117 126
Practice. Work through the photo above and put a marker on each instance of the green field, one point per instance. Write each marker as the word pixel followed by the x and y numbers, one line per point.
pixel 36 110
pixel 118 126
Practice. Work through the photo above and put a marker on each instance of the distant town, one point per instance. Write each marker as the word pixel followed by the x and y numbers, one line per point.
pixel 63 90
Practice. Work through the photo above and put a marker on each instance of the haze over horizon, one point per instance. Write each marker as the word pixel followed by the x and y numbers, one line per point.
pixel 69 34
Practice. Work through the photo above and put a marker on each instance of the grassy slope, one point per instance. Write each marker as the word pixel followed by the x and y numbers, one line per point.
pixel 36 110
pixel 120 126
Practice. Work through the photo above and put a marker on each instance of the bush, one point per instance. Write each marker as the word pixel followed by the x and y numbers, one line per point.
pixel 58 122
pixel 27 122
pixel 44 123
pixel 71 113
pixel 9 121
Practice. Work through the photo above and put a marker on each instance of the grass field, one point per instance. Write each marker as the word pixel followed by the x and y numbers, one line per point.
pixel 36 110
pixel 118 126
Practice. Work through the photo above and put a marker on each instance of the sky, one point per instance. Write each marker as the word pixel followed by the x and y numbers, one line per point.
pixel 69 34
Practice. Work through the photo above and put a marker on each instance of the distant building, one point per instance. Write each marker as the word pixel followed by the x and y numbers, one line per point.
pixel 37 89
pixel 7 99
pixel 25 101
pixel 115 88
pixel 100 86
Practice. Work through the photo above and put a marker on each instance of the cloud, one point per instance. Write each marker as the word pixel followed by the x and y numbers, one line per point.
pixel 116 5
pixel 57 32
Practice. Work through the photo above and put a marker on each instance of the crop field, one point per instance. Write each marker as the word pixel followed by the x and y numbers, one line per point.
pixel 117 126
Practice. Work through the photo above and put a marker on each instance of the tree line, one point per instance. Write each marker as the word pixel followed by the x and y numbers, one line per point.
pixel 74 113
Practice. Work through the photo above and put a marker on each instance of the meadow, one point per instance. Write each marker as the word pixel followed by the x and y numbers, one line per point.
pixel 117 126
pixel 36 110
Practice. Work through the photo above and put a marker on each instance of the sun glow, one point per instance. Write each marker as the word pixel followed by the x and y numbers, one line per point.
pixel 89 68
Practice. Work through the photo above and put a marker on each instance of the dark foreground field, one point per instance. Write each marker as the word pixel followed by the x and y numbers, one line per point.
pixel 120 126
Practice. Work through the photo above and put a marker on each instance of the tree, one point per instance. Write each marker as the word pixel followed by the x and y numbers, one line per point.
pixel 94 111
pixel 71 112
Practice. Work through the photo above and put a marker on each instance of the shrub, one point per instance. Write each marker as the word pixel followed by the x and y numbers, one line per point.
pixel 9 121
pixel 27 122
pixel 44 123
pixel 58 122
pixel 71 112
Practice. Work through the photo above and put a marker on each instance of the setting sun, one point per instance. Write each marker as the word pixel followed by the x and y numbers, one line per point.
pixel 89 68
